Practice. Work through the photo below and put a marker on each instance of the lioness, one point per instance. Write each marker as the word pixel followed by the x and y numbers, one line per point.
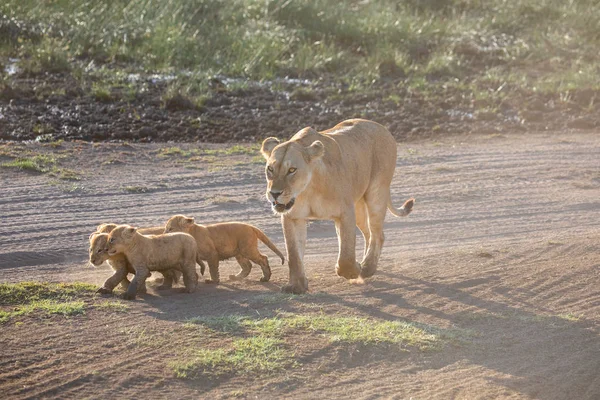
pixel 341 174
pixel 99 254
pixel 218 242
pixel 154 253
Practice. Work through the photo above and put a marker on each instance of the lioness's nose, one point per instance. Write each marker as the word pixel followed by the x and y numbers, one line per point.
pixel 275 194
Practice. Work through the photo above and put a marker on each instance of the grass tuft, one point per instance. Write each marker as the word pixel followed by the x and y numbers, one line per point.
pixel 252 355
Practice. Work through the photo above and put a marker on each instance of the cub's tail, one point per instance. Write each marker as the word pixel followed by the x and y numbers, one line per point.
pixel 404 210
pixel 263 238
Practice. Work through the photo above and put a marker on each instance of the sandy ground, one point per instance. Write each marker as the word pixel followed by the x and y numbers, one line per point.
pixel 503 243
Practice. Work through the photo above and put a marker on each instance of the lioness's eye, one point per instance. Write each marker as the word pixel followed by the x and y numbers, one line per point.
pixel 99 251
pixel 270 169
pixel 291 170
pixel 112 240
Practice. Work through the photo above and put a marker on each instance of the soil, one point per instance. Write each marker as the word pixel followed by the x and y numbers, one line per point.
pixel 51 107
pixel 503 244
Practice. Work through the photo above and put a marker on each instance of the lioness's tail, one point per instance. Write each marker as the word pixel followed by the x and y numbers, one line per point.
pixel 404 210
pixel 263 238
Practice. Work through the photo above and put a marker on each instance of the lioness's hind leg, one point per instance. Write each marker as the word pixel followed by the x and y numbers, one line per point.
pixel 246 268
pixel 377 207
pixel 362 221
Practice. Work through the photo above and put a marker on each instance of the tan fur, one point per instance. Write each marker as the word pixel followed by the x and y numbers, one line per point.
pixel 118 262
pixel 342 174
pixel 222 241
pixel 154 253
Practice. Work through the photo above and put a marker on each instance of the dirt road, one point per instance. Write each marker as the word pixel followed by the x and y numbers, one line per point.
pixel 503 247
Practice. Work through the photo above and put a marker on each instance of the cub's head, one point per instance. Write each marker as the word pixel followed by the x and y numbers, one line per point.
pixel 105 228
pixel 289 170
pixel 98 248
pixel 120 238
pixel 179 223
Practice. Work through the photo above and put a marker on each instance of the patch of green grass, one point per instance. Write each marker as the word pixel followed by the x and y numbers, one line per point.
pixel 45 307
pixel 111 306
pixel 27 292
pixel 245 356
pixel 234 150
pixel 102 92
pixel 570 317
pixel 177 152
pixel 38 163
pixel 44 164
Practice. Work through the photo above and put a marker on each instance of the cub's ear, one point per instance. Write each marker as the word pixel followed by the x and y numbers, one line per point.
pixel 92 235
pixel 315 150
pixel 129 231
pixel 189 221
pixel 268 146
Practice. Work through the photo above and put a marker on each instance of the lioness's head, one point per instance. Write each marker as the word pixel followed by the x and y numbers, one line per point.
pixel 289 170
pixel 179 223
pixel 105 228
pixel 120 238
pixel 98 248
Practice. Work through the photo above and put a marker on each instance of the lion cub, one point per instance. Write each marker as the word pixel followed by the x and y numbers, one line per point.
pixel 154 253
pixel 221 241
pixel 122 267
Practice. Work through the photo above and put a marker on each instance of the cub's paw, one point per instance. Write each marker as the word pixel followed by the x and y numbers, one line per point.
pixel 128 296
pixel 210 281
pixel 265 278
pixel 104 290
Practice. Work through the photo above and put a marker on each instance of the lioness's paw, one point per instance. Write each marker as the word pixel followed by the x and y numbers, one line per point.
pixel 349 272
pixel 300 286
pixel 265 278
pixel 104 290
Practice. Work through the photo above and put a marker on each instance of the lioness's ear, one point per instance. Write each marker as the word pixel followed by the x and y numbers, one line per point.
pixel 189 221
pixel 268 146
pixel 315 150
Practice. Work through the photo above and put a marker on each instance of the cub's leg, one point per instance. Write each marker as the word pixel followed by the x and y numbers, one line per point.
pixel 246 268
pixel 139 281
pixel 256 257
pixel 170 276
pixel 190 277
pixel 213 268
pixel 362 221
pixel 119 276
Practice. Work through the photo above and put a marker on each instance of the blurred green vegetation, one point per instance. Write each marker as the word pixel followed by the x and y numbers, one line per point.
pixel 540 45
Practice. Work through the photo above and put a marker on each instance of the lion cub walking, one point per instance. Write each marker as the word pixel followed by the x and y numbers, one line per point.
pixel 154 253
pixel 121 267
pixel 225 240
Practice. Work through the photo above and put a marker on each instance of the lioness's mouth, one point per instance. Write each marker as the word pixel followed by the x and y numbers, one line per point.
pixel 280 207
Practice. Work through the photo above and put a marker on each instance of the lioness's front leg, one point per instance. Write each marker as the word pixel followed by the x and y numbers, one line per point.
pixel 138 281
pixel 294 232
pixel 112 282
pixel 345 227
